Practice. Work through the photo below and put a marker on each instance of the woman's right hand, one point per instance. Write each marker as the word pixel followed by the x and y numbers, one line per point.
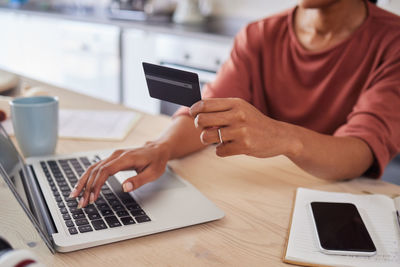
pixel 148 161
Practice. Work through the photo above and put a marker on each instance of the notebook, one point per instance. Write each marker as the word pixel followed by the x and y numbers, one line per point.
pixel 378 213
pixel 108 125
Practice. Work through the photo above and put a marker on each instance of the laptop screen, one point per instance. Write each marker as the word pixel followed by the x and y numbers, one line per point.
pixel 13 166
pixel 13 171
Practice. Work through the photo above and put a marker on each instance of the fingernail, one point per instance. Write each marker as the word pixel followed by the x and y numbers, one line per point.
pixel 73 193
pixel 128 187
pixel 80 204
pixel 91 200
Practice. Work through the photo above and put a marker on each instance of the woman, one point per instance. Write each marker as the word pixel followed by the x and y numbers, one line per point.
pixel 319 83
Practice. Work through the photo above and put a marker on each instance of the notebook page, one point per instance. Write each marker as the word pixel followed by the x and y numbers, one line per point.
pixel 377 212
pixel 96 124
pixel 91 124
pixel 397 203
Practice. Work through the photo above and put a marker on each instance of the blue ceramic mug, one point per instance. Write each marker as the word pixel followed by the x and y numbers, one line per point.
pixel 35 121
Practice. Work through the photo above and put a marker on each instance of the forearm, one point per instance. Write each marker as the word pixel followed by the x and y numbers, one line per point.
pixel 326 156
pixel 181 138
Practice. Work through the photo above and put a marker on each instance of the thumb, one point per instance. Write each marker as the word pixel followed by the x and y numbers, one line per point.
pixel 138 180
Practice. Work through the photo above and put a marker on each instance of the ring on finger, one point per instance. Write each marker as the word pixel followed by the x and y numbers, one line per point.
pixel 220 136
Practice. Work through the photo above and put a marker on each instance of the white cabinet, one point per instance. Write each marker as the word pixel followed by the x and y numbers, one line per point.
pixel 91 58
pixel 138 46
pixel 80 56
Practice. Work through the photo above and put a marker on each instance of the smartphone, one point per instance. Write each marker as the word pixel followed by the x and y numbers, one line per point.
pixel 340 229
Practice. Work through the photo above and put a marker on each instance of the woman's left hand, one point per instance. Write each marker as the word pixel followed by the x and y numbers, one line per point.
pixel 244 129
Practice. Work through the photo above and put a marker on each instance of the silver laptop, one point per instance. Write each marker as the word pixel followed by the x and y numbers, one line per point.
pixel 42 185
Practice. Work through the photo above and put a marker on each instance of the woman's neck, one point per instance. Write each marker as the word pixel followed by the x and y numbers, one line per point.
pixel 321 28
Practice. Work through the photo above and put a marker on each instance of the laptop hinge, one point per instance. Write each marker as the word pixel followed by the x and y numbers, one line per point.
pixel 41 209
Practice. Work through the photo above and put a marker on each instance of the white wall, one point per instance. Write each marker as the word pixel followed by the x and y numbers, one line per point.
pixel 254 9
pixel 250 9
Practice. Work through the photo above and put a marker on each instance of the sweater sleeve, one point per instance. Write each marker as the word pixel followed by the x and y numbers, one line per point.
pixel 376 116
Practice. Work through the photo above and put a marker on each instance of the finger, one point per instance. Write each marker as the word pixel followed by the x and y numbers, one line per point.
pixel 215 119
pixel 124 162
pixel 98 177
pixel 211 136
pixel 88 196
pixel 82 181
pixel 212 105
pixel 133 183
pixel 228 149
pixel 92 171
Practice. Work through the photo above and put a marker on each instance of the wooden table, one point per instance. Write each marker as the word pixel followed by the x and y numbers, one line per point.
pixel 255 194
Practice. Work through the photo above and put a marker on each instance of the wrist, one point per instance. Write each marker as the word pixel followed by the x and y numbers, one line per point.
pixel 293 145
pixel 163 146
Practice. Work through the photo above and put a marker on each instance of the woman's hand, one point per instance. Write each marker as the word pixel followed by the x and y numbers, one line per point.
pixel 244 129
pixel 148 161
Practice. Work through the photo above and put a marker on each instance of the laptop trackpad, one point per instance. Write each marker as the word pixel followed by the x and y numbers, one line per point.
pixel 166 182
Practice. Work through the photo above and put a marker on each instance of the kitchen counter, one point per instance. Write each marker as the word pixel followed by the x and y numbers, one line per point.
pixel 213 28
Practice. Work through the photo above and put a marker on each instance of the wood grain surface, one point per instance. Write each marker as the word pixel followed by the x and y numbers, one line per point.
pixel 255 194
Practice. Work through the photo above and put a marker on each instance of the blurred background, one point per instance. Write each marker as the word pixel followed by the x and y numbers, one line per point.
pixel 96 47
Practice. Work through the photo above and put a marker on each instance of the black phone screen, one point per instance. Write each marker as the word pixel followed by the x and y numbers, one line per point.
pixel 340 227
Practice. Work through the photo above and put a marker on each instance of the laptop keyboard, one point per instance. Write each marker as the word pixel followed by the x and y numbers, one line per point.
pixel 113 208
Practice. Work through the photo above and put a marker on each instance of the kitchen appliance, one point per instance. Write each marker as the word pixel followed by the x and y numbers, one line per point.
pixel 188 12
pixel 203 57
pixel 139 10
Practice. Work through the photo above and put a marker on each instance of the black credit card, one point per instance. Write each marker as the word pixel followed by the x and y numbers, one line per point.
pixel 172 85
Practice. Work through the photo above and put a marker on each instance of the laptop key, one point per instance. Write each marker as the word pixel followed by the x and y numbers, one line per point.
pixel 104 186
pixel 142 219
pixel 61 205
pixel 106 191
pixel 63 210
pixel 78 216
pixel 72 204
pixel 122 213
pixel 133 207
pixel 94 216
pixel 138 213
pixel 107 212
pixel 73 210
pixel 77 211
pixel 103 207
pixel 63 183
pixel 69 223
pixel 110 197
pixel 80 222
pixel 85 228
pixel 72 231
pixel 127 220
pixel 66 217
pixel 114 202
pixel 117 207
pixel 90 209
pixel 99 224
pixel 128 200
pixel 58 199
pixel 56 193
pixel 112 221
pixel 64 188
pixel 100 201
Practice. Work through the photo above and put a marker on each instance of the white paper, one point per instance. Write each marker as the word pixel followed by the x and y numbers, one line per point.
pixel 378 214
pixel 92 124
